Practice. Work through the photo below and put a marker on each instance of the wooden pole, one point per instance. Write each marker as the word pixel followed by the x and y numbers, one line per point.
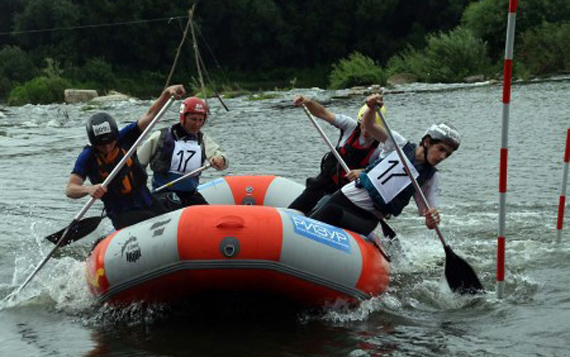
pixel 179 48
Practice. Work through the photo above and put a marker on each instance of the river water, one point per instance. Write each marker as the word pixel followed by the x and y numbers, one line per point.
pixel 418 316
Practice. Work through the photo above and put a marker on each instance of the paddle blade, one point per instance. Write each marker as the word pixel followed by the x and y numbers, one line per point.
pixel 387 230
pixel 460 276
pixel 77 231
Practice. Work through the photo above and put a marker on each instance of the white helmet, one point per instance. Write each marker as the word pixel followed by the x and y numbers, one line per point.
pixel 444 132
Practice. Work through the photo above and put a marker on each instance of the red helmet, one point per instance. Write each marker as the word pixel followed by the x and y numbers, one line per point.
pixel 193 105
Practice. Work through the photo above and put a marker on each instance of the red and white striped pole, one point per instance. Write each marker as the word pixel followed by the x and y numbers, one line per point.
pixel 507 80
pixel 562 201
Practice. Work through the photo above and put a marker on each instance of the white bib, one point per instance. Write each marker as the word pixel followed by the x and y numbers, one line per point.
pixel 187 156
pixel 389 176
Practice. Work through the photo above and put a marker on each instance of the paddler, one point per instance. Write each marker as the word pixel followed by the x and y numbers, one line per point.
pixel 127 199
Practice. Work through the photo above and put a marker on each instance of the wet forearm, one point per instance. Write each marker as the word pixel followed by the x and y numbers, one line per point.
pixel 76 191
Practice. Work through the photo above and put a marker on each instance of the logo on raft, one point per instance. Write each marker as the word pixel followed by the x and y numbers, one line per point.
pixel 131 250
pixel 158 228
pixel 321 232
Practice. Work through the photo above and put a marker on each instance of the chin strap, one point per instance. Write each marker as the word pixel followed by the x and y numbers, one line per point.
pixel 425 154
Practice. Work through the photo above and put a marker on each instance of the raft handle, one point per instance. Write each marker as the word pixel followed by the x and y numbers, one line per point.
pixel 231 222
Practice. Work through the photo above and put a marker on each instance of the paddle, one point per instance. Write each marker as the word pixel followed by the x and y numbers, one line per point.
pixel 189 174
pixel 76 231
pixel 460 276
pixel 89 222
pixel 326 139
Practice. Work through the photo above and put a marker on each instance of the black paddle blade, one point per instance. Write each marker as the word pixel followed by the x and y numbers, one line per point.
pixel 387 230
pixel 77 231
pixel 460 276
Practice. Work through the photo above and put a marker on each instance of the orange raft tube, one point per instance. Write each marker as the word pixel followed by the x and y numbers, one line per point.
pixel 226 247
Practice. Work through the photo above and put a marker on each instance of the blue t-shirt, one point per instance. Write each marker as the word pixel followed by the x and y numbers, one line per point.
pixel 86 167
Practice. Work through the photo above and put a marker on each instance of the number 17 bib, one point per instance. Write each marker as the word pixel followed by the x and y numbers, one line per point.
pixel 389 176
pixel 187 156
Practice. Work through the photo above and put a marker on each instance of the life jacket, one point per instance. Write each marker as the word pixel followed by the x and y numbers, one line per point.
pixel 127 190
pixel 161 160
pixel 354 155
pixel 397 204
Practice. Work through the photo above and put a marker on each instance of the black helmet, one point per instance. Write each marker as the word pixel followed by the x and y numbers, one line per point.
pixel 444 132
pixel 102 129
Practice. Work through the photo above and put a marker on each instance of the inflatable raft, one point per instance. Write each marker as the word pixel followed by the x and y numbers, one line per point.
pixel 237 244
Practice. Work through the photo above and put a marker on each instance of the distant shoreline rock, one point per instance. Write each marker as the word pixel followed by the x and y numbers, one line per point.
pixel 112 96
pixel 402 78
pixel 79 95
pixel 86 95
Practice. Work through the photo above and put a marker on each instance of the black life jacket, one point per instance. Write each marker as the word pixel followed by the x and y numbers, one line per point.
pixel 354 155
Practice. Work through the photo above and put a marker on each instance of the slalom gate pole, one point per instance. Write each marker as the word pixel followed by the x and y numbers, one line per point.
pixel 507 81
pixel 562 200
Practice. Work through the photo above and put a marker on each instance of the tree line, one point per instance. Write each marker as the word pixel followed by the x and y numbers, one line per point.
pixel 132 44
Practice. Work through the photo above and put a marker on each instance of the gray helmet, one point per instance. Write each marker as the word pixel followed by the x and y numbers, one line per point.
pixel 444 132
pixel 101 129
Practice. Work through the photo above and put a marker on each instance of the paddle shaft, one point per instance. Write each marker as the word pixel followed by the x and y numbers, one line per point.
pixel 412 178
pixel 191 173
pixel 105 183
pixel 326 139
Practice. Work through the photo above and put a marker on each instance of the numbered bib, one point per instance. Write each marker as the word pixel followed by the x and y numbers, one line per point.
pixel 389 176
pixel 187 156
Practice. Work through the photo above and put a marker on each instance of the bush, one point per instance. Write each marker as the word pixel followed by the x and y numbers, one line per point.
pixel 142 84
pixel 357 70
pixel 15 67
pixel 95 74
pixel 545 49
pixel 447 58
pixel 40 90
pixel 409 61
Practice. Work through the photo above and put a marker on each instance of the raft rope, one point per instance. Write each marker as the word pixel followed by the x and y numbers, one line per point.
pixel 134 22
pixel 220 69
pixel 200 63
pixel 507 81
pixel 562 200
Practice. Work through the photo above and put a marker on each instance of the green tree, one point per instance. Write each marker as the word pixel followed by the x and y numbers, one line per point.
pixel 138 45
pixel 247 37
pixel 544 49
pixel 40 15
pixel 9 8
pixel 487 19
pixel 15 67
pixel 448 57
